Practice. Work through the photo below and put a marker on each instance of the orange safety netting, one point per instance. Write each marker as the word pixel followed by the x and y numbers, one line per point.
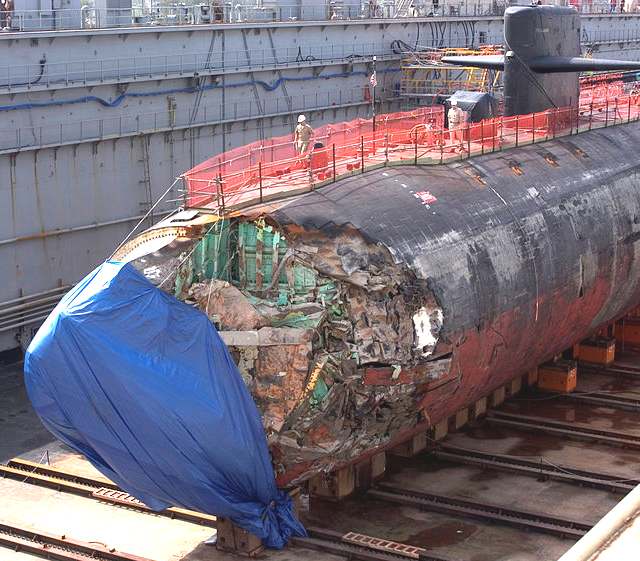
pixel 261 170
pixel 276 157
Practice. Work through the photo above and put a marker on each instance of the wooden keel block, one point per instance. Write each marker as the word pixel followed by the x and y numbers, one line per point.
pixel 479 408
pixel 532 377
pixel 600 351
pixel 461 418
pixel 515 386
pixel 416 444
pixel 560 376
pixel 439 431
pixel 336 485
pixel 370 471
pixel 497 396
pixel 232 539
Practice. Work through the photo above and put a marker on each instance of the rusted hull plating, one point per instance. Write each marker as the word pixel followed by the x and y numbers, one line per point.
pixel 449 282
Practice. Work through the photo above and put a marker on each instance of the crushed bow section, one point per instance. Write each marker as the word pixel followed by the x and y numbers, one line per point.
pixel 335 340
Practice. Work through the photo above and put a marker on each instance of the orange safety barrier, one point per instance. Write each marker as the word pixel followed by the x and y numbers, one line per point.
pixel 268 168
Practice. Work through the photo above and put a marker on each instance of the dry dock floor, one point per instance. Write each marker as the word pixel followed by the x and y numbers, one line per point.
pixel 454 538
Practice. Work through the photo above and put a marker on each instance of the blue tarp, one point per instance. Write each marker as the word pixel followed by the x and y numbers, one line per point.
pixel 144 387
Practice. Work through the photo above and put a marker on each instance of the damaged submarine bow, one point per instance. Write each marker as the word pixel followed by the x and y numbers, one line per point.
pixel 359 315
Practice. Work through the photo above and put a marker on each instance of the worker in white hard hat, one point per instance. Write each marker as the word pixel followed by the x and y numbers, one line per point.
pixel 455 117
pixel 302 135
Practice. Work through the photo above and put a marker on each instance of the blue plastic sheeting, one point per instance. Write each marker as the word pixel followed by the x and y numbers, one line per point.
pixel 144 387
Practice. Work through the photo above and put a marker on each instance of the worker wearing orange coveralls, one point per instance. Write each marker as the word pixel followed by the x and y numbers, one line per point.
pixel 302 135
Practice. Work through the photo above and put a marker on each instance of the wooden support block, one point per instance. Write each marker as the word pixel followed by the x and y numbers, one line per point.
pixel 236 540
pixel 559 376
pixel 479 408
pixel 532 377
pixel 461 418
pixel 336 485
pixel 515 386
pixel 439 431
pixel 378 465
pixel 411 447
pixel 497 397
pixel 599 351
pixel 370 470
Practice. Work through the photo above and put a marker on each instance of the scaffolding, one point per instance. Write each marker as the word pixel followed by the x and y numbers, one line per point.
pixel 425 78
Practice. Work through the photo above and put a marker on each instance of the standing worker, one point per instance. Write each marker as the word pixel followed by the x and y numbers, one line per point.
pixel 302 135
pixel 6 14
pixel 455 116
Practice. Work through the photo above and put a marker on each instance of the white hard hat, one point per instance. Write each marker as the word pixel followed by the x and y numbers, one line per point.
pixel 454 103
pixel 301 118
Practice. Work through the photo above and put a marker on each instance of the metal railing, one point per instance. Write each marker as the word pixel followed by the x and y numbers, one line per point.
pixel 223 186
pixel 80 72
pixel 266 11
pixel 51 134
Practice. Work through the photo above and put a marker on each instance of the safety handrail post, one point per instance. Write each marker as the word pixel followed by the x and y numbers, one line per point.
pixel 221 190
pixel 468 139
pixel 482 137
pixel 333 150
pixel 533 128
pixel 591 115
pixel 629 111
pixel 606 114
pixel 386 148
pixel 362 153
pixel 517 126
pixel 260 179
pixel 615 112
pixel 415 149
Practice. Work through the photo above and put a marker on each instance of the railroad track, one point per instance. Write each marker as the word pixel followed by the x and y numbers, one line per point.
pixel 360 546
pixel 525 519
pixel 577 431
pixel 60 548
pixel 97 489
pixel 540 470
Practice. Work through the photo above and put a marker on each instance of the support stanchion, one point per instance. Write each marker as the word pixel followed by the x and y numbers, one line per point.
pixel 386 148
pixel 517 131
pixel 482 137
pixel 578 119
pixel 629 111
pixel 494 133
pixel 591 115
pixel 221 190
pixel 533 128
pixel 333 151
pixel 415 149
pixel 362 153
pixel 615 111
pixel 468 139
pixel 260 179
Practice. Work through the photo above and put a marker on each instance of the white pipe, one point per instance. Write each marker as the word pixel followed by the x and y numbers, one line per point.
pixel 596 539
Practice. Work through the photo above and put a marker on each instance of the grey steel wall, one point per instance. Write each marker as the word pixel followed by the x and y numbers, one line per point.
pixel 94 125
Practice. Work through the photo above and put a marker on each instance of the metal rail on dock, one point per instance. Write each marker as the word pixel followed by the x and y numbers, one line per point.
pixel 577 431
pixel 60 548
pixel 98 489
pixel 515 464
pixel 360 546
pixel 529 520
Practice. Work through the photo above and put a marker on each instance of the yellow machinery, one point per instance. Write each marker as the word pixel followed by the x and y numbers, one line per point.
pixel 424 75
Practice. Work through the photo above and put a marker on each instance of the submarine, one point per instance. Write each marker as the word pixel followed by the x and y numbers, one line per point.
pixel 360 314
